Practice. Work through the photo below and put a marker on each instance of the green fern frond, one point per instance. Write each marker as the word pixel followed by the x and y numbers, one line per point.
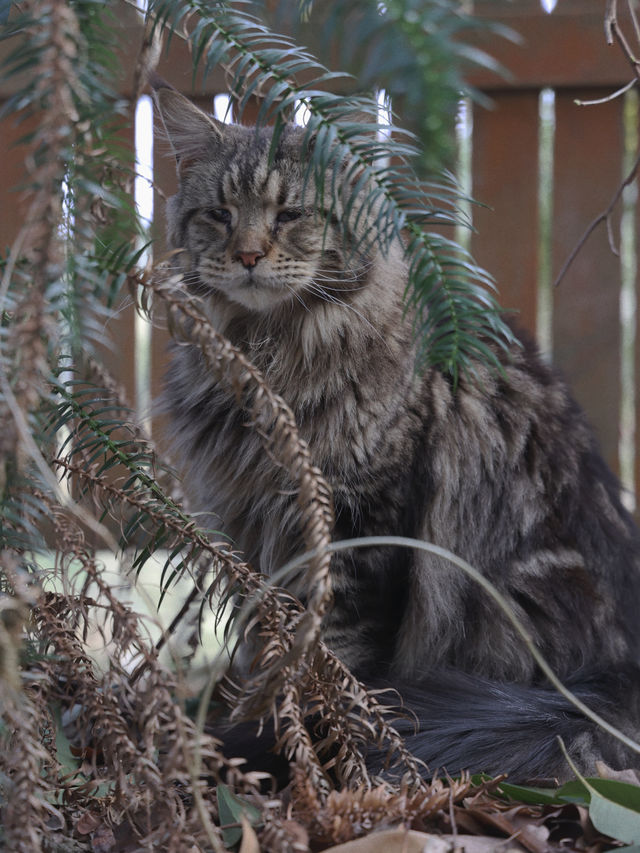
pixel 384 196
pixel 418 52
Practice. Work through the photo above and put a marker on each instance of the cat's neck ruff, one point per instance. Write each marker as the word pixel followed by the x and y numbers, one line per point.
pixel 313 324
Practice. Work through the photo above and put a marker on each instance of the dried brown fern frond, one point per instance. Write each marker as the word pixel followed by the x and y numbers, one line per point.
pixel 132 738
pixel 26 809
pixel 352 813
pixel 274 421
pixel 23 753
pixel 354 719
pixel 54 26
pixel 57 90
pixel 295 677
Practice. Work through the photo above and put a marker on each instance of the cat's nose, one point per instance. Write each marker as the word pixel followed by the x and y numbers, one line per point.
pixel 248 259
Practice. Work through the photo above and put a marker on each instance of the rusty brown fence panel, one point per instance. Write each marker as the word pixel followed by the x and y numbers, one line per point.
pixel 566 53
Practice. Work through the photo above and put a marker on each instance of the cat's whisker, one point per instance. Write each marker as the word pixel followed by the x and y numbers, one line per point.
pixel 325 286
pixel 126 303
pixel 328 297
pixel 341 275
pixel 297 295
pixel 346 274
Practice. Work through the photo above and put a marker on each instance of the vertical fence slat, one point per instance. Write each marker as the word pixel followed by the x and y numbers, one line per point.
pixel 505 168
pixel 165 185
pixel 586 324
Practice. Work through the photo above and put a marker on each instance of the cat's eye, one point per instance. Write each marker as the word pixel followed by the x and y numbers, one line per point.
pixel 288 215
pixel 220 214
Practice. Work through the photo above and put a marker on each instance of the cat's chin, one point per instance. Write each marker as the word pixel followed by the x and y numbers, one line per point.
pixel 261 302
pixel 257 297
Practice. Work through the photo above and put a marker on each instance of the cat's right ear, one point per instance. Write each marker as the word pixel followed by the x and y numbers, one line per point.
pixel 189 130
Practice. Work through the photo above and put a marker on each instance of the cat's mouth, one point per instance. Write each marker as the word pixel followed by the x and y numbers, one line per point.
pixel 260 280
pixel 250 278
pixel 255 290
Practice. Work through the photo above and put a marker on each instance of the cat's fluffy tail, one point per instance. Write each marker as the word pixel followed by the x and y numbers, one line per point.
pixel 464 721
pixel 457 721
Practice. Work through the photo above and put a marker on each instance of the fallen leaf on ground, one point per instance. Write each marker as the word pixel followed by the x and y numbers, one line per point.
pixel 250 843
pixel 408 841
pixel 606 772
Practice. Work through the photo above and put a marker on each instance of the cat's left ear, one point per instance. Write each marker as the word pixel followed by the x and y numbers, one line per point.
pixel 190 131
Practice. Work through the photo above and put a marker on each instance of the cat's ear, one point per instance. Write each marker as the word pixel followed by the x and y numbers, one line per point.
pixel 190 131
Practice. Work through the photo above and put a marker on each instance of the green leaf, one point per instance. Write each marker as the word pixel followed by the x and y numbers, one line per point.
pixel 230 810
pixel 68 762
pixel 614 806
pixel 531 795
pixel 574 792
pixel 612 818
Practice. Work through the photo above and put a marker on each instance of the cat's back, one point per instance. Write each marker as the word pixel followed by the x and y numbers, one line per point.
pixel 518 487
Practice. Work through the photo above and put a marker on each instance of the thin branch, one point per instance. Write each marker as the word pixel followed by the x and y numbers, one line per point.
pixel 610 18
pixel 614 33
pixel 617 94
pixel 602 217
pixel 634 18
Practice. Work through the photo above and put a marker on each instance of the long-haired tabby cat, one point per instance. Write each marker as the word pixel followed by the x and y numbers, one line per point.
pixel 502 470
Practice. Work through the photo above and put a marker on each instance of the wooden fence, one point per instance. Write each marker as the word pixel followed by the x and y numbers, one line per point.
pixel 543 180
pixel 589 320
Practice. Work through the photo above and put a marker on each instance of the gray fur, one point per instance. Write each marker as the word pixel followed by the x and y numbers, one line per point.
pixel 503 470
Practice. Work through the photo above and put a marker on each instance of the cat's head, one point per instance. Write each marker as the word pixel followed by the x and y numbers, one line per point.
pixel 248 228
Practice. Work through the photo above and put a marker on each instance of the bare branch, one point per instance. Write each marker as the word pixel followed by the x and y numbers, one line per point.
pixel 617 94
pixel 602 217
pixel 614 33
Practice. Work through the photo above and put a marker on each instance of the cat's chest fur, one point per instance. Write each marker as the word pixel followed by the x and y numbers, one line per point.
pixel 352 396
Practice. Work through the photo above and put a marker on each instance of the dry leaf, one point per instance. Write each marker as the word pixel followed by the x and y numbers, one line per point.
pixel 531 833
pixel 87 823
pixel 249 842
pixel 103 840
pixel 606 772
pixel 407 841
pixel 395 841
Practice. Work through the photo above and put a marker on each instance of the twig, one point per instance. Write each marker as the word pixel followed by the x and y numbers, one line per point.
pixel 614 33
pixel 148 55
pixel 610 18
pixel 634 18
pixel 195 592
pixel 602 217
pixel 607 98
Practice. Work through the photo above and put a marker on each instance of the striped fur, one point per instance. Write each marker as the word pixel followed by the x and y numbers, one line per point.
pixel 503 470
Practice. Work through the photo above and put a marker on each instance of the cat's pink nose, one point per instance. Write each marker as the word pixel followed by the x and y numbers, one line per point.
pixel 248 259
